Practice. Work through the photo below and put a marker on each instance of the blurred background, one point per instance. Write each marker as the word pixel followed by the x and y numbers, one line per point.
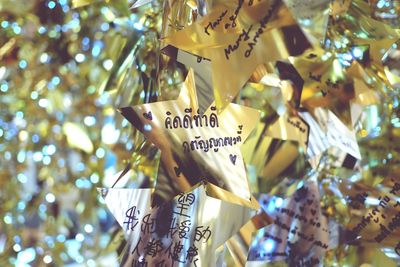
pixel 61 136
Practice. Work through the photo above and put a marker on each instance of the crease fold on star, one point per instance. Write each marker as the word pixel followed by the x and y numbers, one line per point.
pixel 299 231
pixel 191 153
pixel 261 32
pixel 194 219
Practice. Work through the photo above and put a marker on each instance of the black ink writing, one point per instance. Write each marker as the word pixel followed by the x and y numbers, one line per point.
pixel 386 231
pixel 131 220
pixel 214 24
pixel 296 124
pixel 260 30
pixel 244 36
pixel 211 143
pixel 200 120
pixel 199 59
pixel 179 245
pixel 232 18
pixel 314 77
pixel 184 203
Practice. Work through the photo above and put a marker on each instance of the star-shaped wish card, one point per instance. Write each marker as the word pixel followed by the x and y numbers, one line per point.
pixel 312 16
pixel 196 146
pixel 239 36
pixel 327 132
pixel 300 234
pixel 185 231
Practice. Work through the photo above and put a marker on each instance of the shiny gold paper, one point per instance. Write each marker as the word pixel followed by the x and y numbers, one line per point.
pixel 312 16
pixel 196 146
pixel 299 235
pixel 328 132
pixel 329 122
pixel 184 231
pixel 238 38
pixel 360 28
pixel 202 74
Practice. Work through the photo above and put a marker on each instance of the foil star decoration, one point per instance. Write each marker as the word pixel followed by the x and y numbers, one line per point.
pixel 328 133
pixel 184 231
pixel 283 95
pixel 312 16
pixel 300 232
pixel 202 73
pixel 319 130
pixel 238 38
pixel 358 26
pixel 196 146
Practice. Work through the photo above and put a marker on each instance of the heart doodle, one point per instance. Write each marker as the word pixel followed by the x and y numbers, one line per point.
pixel 313 211
pixel 233 158
pixel 148 115
pixel 240 129
pixel 178 171
pixel 309 201
pixel 301 194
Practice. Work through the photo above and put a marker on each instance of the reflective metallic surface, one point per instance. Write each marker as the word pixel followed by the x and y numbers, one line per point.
pixel 191 152
pixel 185 231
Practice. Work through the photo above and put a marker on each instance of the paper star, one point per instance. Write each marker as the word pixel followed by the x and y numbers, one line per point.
pixel 196 147
pixel 364 96
pixel 347 93
pixel 337 80
pixel 239 244
pixel 327 132
pixel 357 26
pixel 312 16
pixel 290 128
pixel 318 130
pixel 238 38
pixel 283 93
pixel 299 233
pixel 187 230
pixel 202 73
